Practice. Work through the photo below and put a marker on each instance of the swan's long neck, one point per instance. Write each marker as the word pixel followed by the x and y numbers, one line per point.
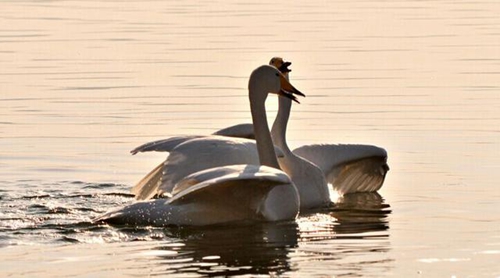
pixel 265 145
pixel 278 132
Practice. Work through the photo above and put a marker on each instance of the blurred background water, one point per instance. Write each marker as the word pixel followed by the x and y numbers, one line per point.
pixel 84 82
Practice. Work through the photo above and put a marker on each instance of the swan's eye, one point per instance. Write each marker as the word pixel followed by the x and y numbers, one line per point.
pixel 277 74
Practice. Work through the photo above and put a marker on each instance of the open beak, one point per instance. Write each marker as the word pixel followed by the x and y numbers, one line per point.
pixel 287 90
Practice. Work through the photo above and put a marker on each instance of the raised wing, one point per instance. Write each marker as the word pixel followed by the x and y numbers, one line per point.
pixel 148 187
pixel 164 145
pixel 193 155
pixel 349 168
pixel 240 131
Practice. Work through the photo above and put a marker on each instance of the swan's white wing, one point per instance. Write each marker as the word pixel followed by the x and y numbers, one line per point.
pixel 204 175
pixel 241 131
pixel 147 188
pixel 164 145
pixel 246 183
pixel 190 156
pixel 205 153
pixel 167 145
pixel 349 168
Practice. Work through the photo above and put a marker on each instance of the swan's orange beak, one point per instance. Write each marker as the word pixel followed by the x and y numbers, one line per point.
pixel 288 90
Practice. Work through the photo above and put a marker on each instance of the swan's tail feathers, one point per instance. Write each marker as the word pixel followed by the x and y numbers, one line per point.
pixel 149 186
pixel 240 131
pixel 364 175
pixel 164 145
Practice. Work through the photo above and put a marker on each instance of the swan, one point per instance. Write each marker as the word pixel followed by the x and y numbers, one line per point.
pixel 349 168
pixel 228 193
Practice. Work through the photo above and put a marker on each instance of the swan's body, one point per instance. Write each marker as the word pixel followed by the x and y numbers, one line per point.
pixel 349 168
pixel 307 177
pixel 227 193
pixel 217 195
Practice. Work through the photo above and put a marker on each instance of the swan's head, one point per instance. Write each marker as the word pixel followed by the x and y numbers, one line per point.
pixel 268 79
pixel 281 65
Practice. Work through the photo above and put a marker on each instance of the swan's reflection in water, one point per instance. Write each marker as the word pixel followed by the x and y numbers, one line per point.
pixel 361 213
pixel 351 238
pixel 356 226
pixel 232 250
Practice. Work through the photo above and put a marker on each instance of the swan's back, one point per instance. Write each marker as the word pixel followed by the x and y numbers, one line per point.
pixel 239 193
pixel 215 196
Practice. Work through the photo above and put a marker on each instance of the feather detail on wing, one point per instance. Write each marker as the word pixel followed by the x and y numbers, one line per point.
pixel 164 145
pixel 349 168
pixel 148 186
pixel 240 131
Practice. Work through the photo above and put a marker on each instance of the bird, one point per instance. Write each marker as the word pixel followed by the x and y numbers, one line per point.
pixel 349 168
pixel 242 192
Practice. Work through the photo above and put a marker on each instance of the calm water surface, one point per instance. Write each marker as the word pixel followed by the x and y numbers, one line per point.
pixel 84 82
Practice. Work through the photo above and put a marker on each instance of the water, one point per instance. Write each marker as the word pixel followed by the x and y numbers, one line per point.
pixel 84 82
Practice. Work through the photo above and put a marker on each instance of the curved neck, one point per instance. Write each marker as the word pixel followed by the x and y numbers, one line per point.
pixel 280 124
pixel 265 145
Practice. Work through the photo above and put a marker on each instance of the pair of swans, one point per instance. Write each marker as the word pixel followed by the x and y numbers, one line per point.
pixel 349 168
pixel 240 192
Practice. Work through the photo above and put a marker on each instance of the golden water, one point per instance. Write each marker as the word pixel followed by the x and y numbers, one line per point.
pixel 84 82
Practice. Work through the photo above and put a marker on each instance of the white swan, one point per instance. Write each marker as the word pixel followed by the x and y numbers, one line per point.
pixel 228 193
pixel 349 168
